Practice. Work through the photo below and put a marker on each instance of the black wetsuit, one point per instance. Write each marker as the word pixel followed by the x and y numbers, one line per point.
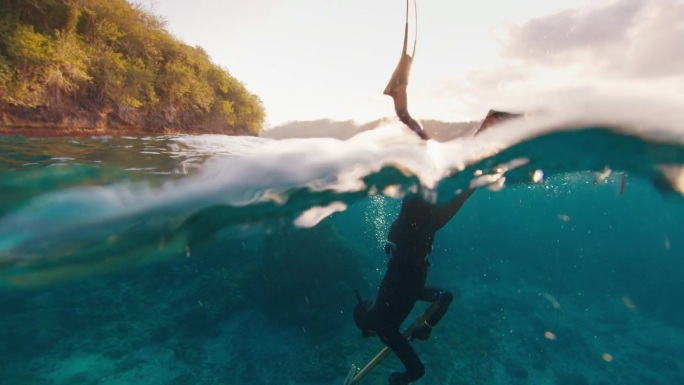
pixel 409 245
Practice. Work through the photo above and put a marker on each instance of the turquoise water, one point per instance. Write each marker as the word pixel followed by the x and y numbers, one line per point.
pixel 226 260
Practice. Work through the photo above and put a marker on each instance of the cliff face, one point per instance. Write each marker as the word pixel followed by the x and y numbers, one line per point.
pixel 73 118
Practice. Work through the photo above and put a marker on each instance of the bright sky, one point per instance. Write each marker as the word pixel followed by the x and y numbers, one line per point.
pixel 313 59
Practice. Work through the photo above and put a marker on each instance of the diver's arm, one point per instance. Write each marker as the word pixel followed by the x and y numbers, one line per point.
pixel 444 213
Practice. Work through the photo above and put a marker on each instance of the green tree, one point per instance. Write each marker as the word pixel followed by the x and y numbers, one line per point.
pixel 110 57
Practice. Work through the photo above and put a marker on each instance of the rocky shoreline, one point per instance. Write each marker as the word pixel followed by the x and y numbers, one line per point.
pixel 43 121
pixel 47 131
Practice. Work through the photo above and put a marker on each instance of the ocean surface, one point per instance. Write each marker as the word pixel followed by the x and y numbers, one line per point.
pixel 233 260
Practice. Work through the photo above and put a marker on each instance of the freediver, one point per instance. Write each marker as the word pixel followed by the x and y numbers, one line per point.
pixel 409 244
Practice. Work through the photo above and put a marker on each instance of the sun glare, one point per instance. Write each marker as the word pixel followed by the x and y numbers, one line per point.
pixel 333 59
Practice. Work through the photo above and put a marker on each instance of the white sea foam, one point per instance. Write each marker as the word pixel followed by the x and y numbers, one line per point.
pixel 285 178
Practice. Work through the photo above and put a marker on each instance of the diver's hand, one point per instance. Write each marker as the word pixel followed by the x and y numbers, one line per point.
pixel 397 378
